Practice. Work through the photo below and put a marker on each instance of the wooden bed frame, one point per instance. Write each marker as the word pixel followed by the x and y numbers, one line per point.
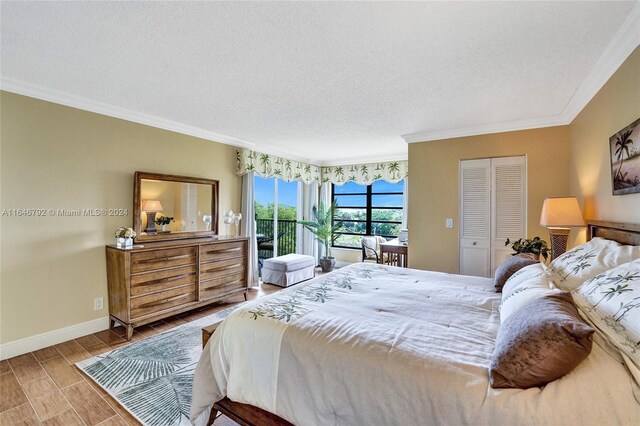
pixel 248 415
pixel 624 233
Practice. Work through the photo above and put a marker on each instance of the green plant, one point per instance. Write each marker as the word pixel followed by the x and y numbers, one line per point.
pixel 164 220
pixel 536 246
pixel 322 226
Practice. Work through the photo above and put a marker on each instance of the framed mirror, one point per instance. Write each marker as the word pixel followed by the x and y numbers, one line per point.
pixel 169 207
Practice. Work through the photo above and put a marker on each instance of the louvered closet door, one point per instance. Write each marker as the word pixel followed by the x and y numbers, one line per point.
pixel 509 205
pixel 475 217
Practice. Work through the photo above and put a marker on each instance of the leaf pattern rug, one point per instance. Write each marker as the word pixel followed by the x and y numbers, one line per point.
pixel 152 379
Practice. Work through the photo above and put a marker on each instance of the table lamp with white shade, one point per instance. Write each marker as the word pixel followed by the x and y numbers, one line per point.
pixel 558 215
pixel 151 207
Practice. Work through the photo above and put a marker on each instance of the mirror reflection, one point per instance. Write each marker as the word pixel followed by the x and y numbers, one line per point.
pixel 168 207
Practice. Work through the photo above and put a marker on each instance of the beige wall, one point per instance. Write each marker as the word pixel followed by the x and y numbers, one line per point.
pixel 58 157
pixel 433 186
pixel 615 106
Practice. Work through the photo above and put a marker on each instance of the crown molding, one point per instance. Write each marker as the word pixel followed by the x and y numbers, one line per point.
pixel 85 104
pixel 365 160
pixel 51 95
pixel 508 126
pixel 623 43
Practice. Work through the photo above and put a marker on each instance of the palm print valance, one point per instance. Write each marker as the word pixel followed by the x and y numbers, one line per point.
pixel 267 165
pixel 365 174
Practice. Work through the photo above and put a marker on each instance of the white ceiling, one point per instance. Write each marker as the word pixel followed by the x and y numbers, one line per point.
pixel 329 82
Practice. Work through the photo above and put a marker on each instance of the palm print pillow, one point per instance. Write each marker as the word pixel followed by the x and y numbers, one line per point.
pixel 588 260
pixel 527 287
pixel 611 300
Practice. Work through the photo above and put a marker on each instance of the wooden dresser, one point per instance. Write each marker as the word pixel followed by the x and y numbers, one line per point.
pixel 159 279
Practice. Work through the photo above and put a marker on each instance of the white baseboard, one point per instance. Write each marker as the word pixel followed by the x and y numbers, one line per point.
pixel 39 341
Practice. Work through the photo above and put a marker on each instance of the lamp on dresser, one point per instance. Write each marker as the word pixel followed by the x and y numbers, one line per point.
pixel 151 207
pixel 559 214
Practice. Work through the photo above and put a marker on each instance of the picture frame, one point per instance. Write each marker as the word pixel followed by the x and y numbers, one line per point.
pixel 624 150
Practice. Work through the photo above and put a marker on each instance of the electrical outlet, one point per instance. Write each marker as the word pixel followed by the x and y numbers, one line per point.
pixel 98 304
pixel 449 223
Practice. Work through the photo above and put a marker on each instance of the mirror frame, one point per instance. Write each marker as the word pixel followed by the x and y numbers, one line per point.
pixel 137 221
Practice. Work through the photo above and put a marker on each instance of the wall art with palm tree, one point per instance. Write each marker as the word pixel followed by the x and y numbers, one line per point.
pixel 624 147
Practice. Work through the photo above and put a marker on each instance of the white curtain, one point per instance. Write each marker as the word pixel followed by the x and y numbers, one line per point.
pixel 325 198
pixel 249 226
pixel 307 199
pixel 405 204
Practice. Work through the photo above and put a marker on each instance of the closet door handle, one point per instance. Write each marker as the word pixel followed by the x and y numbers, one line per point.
pixel 475 243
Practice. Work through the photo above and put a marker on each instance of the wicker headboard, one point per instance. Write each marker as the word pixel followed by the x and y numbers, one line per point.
pixel 624 233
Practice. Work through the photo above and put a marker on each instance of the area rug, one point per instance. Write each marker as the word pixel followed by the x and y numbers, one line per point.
pixel 153 378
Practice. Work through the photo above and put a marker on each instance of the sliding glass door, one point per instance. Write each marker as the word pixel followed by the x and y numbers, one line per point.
pixel 276 209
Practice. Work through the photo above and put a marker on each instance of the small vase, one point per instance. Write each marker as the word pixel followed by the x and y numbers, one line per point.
pixel 123 242
pixel 164 228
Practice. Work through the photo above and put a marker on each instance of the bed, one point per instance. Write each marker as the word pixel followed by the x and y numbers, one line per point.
pixel 376 344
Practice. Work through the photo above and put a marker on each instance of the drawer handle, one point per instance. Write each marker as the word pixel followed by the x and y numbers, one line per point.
pixel 224 268
pixel 164 259
pixel 229 284
pixel 162 302
pixel 166 280
pixel 222 251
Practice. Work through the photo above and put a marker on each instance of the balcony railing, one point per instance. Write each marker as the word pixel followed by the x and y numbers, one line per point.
pixel 286 237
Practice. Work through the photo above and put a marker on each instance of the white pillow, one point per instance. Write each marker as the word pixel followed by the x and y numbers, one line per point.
pixel 523 274
pixel 588 260
pixel 611 301
pixel 530 284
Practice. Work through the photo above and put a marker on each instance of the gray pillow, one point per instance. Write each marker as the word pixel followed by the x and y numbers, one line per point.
pixel 540 343
pixel 510 267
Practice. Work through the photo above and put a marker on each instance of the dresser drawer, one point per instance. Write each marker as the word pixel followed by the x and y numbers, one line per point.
pixel 221 251
pixel 150 282
pixel 220 286
pixel 221 268
pixel 160 259
pixel 156 302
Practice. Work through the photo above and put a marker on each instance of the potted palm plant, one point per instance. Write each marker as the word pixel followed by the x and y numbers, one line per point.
pixel 324 229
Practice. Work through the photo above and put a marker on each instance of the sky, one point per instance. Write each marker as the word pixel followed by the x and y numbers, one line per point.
pixel 288 192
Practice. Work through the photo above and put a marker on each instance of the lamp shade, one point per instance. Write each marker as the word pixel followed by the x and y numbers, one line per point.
pixel 151 206
pixel 561 212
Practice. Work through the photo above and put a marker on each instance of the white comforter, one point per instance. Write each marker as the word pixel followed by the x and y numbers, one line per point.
pixel 379 345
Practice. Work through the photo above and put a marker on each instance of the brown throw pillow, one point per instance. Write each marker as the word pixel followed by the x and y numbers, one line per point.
pixel 540 343
pixel 510 267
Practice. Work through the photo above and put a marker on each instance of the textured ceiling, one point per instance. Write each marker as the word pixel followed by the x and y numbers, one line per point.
pixel 324 81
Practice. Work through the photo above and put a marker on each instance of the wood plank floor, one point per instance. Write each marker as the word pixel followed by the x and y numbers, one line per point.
pixel 45 387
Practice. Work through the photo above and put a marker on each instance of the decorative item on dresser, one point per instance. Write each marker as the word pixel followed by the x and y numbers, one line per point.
pixel 124 237
pixel 160 279
pixel 187 199
pixel 558 215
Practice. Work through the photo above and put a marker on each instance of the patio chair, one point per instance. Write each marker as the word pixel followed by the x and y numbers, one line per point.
pixel 371 248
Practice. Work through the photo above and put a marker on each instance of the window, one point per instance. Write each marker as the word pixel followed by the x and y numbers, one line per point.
pixel 374 209
pixel 276 210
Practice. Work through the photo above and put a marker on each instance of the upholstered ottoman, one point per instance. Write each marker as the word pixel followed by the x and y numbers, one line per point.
pixel 288 270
